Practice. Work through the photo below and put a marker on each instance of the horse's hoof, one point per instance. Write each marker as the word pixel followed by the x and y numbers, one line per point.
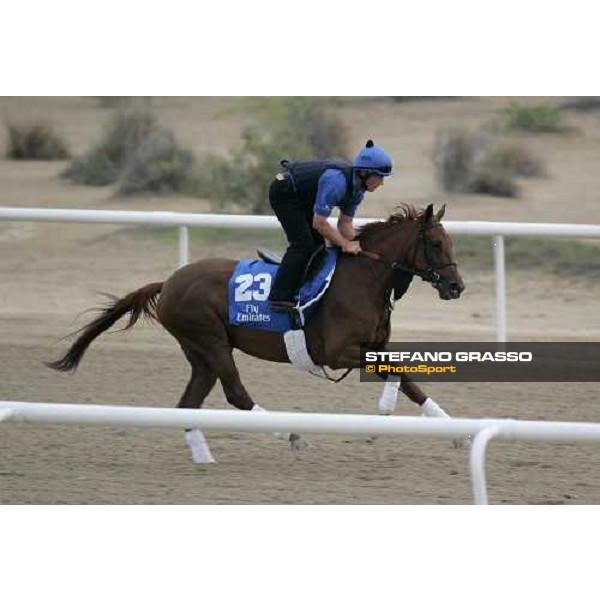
pixel 297 443
pixel 203 461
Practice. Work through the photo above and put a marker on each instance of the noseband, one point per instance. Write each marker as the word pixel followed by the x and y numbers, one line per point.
pixel 429 274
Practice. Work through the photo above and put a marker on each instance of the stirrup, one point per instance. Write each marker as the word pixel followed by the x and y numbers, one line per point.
pixel 282 306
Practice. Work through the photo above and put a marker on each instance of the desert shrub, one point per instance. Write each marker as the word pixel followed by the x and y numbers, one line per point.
pixel 515 159
pixel 157 165
pixel 493 182
pixel 35 141
pixel 113 101
pixel 405 99
pixel 476 162
pixel 103 164
pixel 296 128
pixel 453 157
pixel 541 118
pixel 457 155
pixel 125 102
pixel 582 104
pixel 137 152
pixel 94 168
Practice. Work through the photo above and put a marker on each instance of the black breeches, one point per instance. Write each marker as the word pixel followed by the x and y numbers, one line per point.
pixel 296 219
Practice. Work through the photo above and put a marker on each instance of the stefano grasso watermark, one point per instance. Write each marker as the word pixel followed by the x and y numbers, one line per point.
pixel 476 361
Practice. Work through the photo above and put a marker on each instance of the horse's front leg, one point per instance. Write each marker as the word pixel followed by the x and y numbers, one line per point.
pixel 389 397
pixel 350 357
pixel 429 406
pixel 416 394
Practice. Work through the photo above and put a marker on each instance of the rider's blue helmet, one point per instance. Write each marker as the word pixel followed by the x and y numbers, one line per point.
pixel 374 160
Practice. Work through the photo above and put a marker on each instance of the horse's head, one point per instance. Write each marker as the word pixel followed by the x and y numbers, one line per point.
pixel 415 242
pixel 433 255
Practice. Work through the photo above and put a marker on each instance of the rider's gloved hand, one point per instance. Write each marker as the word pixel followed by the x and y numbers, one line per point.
pixel 351 247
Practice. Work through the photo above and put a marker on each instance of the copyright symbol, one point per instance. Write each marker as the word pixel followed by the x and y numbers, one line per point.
pixel 370 368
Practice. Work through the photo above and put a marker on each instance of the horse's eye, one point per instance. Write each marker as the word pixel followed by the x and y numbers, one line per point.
pixel 436 245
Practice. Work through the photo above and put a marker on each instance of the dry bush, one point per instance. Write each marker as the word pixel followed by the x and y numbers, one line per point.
pixel 582 104
pixel 125 102
pixel 515 159
pixel 541 118
pixel 103 164
pixel 35 141
pixel 296 128
pixel 457 153
pixel 493 182
pixel 478 163
pixel 112 101
pixel 158 165
pixel 405 99
pixel 139 153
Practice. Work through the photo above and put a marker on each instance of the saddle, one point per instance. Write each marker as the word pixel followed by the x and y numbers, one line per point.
pixel 269 256
pixel 312 266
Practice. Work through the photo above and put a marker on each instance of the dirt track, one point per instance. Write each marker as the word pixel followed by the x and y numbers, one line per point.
pixel 54 275
pixel 51 273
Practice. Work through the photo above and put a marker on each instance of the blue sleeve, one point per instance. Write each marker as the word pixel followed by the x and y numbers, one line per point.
pixel 349 208
pixel 332 189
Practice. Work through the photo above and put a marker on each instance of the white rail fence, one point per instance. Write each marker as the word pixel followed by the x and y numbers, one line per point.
pixel 182 221
pixel 481 431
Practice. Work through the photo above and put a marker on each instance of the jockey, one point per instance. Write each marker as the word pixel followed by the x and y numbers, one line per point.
pixel 303 196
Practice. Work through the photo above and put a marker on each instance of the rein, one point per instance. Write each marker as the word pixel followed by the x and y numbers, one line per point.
pixel 429 274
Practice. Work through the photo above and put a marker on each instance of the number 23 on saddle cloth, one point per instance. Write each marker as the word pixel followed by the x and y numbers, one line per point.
pixel 249 289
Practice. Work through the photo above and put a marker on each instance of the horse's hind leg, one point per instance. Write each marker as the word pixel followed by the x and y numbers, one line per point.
pixel 201 383
pixel 222 362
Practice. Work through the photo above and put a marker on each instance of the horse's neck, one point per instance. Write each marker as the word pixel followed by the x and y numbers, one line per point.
pixel 374 275
pixel 395 243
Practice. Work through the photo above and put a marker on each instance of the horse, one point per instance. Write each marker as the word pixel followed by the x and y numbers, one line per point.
pixel 192 305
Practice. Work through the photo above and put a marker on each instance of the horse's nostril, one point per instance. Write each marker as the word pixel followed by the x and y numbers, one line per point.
pixel 455 289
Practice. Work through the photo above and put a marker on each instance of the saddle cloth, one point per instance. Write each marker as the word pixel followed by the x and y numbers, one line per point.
pixel 249 289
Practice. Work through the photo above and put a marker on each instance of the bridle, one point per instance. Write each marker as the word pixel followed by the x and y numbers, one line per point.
pixel 429 273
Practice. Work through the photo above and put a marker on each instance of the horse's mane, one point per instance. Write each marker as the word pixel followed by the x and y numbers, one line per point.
pixel 403 214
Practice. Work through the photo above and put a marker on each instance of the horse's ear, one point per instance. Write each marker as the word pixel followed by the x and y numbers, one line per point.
pixel 427 217
pixel 441 213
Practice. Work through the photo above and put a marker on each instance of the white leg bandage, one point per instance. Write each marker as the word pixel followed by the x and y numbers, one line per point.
pixel 432 409
pixel 198 446
pixel 389 396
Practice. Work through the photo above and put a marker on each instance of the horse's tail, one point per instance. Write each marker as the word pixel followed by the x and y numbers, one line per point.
pixel 142 302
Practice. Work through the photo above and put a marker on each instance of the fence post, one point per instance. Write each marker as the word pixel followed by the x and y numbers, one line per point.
pixel 500 271
pixel 183 246
pixel 478 448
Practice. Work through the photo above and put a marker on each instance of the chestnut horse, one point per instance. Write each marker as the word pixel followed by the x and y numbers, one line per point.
pixel 193 306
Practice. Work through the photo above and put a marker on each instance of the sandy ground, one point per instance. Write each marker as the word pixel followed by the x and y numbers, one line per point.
pixel 53 272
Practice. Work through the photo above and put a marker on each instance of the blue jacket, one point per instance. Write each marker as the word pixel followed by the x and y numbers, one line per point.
pixel 332 192
pixel 324 184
